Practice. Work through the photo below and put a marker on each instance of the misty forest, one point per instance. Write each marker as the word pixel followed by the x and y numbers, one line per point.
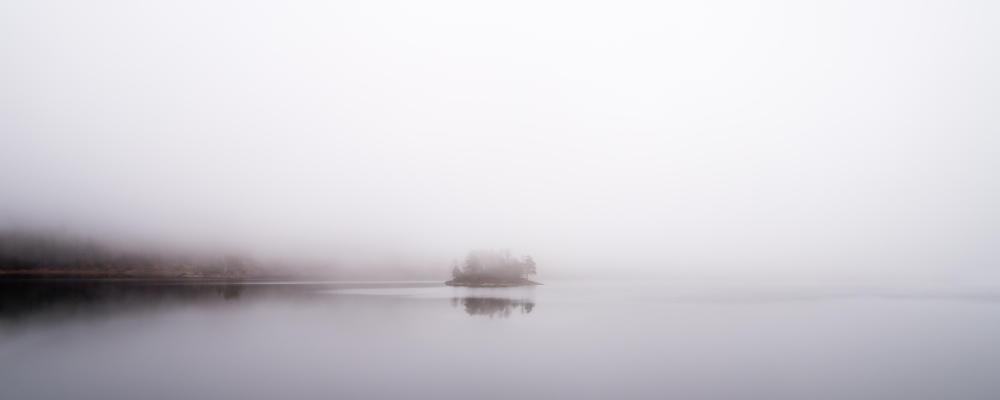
pixel 26 253
pixel 32 254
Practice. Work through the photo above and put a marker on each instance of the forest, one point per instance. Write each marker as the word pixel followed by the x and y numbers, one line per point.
pixel 25 253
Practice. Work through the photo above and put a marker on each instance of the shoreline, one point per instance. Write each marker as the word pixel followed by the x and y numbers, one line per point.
pixel 85 275
pixel 523 282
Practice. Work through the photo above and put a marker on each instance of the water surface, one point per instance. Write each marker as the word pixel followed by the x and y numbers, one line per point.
pixel 129 340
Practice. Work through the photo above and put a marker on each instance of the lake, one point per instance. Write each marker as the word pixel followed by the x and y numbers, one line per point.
pixel 566 340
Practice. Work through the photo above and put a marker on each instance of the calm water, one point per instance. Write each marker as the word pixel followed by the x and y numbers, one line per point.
pixel 623 340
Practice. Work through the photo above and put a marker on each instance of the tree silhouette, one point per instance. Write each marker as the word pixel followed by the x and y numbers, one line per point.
pixel 493 267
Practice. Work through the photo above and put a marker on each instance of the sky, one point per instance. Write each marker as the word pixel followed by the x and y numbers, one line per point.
pixel 796 140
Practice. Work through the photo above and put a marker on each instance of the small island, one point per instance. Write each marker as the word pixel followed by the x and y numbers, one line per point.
pixel 491 268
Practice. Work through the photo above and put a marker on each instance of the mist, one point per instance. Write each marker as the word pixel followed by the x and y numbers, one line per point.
pixel 773 140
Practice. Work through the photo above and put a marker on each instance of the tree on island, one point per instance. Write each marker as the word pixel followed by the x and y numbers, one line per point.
pixel 493 268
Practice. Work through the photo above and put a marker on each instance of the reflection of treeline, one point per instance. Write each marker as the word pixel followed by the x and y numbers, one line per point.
pixel 492 306
pixel 490 266
pixel 39 254
pixel 23 298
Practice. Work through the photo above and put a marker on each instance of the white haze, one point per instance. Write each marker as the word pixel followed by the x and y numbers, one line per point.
pixel 790 140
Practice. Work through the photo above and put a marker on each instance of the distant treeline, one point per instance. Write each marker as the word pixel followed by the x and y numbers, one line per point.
pixel 31 253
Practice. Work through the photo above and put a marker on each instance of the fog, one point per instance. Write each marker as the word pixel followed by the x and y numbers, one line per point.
pixel 772 140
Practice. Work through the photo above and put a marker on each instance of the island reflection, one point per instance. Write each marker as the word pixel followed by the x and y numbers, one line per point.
pixel 493 306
